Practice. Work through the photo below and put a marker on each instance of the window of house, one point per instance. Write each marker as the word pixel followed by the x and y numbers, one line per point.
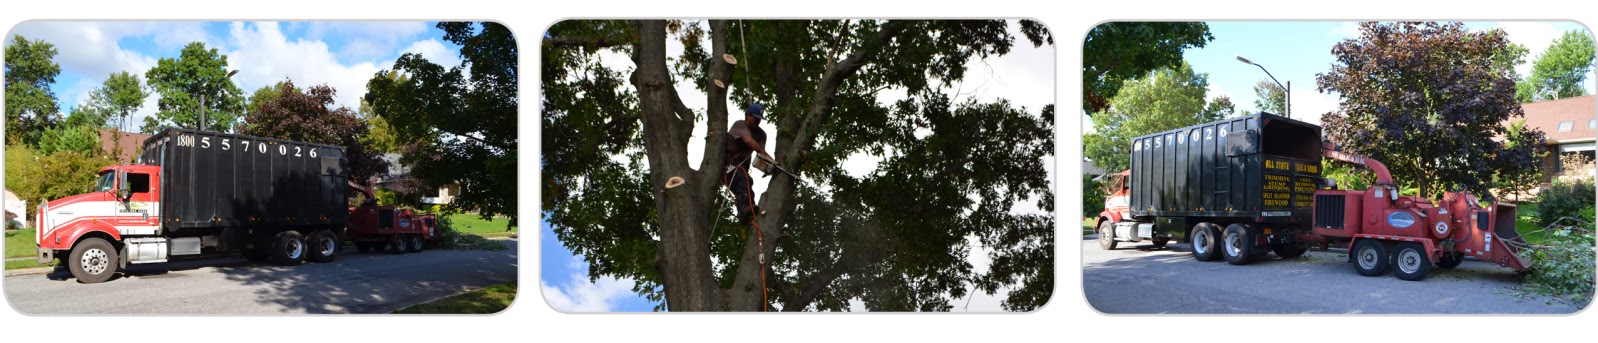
pixel 1565 126
pixel 1592 123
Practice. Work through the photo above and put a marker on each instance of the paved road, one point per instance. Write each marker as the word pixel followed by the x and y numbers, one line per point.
pixel 356 283
pixel 1137 279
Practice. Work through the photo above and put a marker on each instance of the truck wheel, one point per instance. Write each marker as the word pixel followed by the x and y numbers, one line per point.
pixel 1236 246
pixel 1288 250
pixel 1450 260
pixel 1204 238
pixel 93 261
pixel 397 245
pixel 1412 262
pixel 1107 235
pixel 324 246
pixel 416 243
pixel 1370 257
pixel 362 247
pixel 289 248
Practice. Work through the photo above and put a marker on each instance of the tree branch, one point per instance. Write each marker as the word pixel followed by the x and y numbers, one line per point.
pixel 584 42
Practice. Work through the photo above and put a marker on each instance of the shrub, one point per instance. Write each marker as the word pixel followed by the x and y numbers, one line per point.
pixel 1092 196
pixel 1565 198
pixel 1564 265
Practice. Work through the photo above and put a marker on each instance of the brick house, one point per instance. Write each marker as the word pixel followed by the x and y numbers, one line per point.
pixel 131 143
pixel 1570 126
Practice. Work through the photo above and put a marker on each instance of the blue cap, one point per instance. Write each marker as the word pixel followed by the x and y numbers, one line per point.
pixel 756 110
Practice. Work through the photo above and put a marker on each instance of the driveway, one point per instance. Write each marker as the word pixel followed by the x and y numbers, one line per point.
pixel 355 283
pixel 1137 279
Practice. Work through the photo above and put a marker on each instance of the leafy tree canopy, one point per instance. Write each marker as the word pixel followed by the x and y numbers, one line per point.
pixel 36 176
pixel 1164 99
pixel 1118 51
pixel 30 105
pixel 896 238
pixel 458 123
pixel 1559 72
pixel 1270 97
pixel 307 115
pixel 120 96
pixel 182 83
pixel 1427 100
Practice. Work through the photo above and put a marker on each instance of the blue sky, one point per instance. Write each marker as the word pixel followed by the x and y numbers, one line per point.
pixel 341 54
pixel 565 286
pixel 1296 51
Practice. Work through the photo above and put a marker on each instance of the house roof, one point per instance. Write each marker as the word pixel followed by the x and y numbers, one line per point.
pixel 131 143
pixel 1579 112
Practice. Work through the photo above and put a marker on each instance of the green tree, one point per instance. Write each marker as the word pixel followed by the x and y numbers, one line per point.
pixel 1117 51
pixel 1270 97
pixel 198 73
pixel 76 138
pixel 307 115
pixel 1558 72
pixel 895 239
pixel 460 122
pixel 35 175
pixel 1520 182
pixel 380 135
pixel 1165 99
pixel 1425 99
pixel 30 105
pixel 120 96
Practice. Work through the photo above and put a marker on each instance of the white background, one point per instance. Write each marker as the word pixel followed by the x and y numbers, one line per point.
pixel 1067 318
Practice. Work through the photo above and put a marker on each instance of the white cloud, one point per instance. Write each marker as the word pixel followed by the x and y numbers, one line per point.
pixel 1346 30
pixel 1535 36
pixel 364 41
pixel 265 57
pixel 434 50
pixel 579 295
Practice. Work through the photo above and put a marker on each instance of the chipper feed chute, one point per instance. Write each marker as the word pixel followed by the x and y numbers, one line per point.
pixel 1506 244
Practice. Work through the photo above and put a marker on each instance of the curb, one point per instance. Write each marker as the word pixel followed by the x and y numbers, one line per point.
pixel 30 271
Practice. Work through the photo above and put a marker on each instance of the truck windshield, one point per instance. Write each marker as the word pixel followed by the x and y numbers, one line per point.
pixel 105 181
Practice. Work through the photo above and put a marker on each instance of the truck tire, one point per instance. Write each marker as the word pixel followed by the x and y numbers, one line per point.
pixel 1411 262
pixel 1107 235
pixel 416 243
pixel 289 248
pixel 93 260
pixel 397 244
pixel 1236 246
pixel 363 247
pixel 1159 242
pixel 1370 257
pixel 1204 237
pixel 1289 250
pixel 1450 260
pixel 324 246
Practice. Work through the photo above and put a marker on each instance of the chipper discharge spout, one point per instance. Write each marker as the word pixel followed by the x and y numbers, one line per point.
pixel 1506 243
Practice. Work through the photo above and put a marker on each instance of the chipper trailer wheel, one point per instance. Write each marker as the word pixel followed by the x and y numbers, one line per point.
pixel 415 243
pixel 1411 262
pixel 93 261
pixel 1236 246
pixel 1370 257
pixel 289 248
pixel 324 246
pixel 1107 235
pixel 397 245
pixel 1204 237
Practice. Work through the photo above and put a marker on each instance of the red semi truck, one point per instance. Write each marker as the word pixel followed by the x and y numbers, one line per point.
pixel 1243 187
pixel 197 194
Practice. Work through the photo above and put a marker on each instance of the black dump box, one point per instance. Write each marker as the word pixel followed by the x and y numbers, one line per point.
pixel 1263 167
pixel 211 179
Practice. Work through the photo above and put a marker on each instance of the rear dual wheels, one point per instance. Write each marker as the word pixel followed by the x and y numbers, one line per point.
pixel 1411 261
pixel 1204 237
pixel 398 244
pixel 289 248
pixel 93 260
pixel 324 246
pixel 1237 247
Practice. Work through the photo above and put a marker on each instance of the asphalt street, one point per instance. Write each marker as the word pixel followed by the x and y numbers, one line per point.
pixel 1138 279
pixel 355 283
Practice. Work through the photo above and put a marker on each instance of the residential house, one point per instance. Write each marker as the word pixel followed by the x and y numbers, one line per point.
pixel 1570 126
pixel 131 144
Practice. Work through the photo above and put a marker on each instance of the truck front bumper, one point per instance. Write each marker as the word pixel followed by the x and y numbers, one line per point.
pixel 45 255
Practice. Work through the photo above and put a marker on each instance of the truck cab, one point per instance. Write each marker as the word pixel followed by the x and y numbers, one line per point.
pixel 123 203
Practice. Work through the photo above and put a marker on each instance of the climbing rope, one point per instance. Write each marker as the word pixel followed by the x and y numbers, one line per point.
pixel 760 237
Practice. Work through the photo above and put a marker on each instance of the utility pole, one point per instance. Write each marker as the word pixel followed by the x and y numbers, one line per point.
pixel 203 84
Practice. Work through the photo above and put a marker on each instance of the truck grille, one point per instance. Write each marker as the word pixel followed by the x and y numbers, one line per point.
pixel 1329 210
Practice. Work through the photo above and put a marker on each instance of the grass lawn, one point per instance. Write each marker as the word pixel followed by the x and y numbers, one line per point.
pixel 19 243
pixel 473 224
pixel 1526 224
pixel 25 264
pixel 483 301
pixel 1087 226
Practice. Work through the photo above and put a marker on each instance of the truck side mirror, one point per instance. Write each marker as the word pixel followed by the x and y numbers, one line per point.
pixel 123 191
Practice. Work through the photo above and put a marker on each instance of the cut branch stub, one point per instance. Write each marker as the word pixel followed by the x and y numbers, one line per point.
pixel 730 59
pixel 719 84
pixel 674 181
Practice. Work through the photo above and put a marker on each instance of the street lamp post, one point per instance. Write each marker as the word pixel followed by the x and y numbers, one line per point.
pixel 1288 89
pixel 203 84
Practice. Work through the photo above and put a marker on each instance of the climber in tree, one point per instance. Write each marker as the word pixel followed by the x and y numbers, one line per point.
pixel 743 139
